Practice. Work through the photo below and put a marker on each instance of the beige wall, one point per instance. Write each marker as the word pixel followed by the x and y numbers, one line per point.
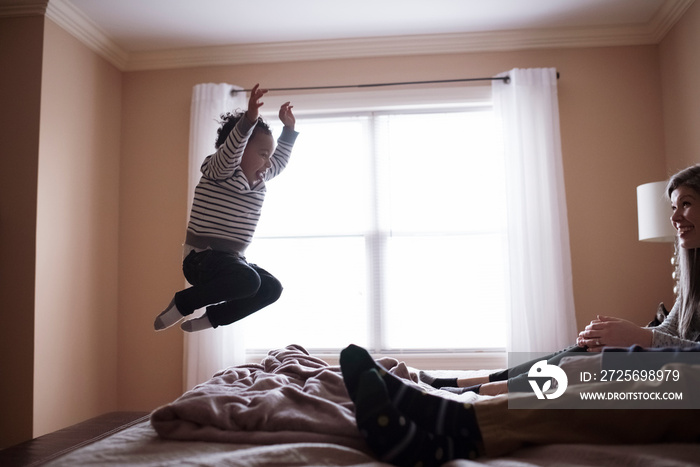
pixel 75 353
pixel 19 145
pixel 610 103
pixel 153 215
pixel 680 68
pixel 110 168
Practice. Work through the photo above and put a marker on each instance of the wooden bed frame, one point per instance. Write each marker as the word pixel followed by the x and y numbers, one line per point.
pixel 48 447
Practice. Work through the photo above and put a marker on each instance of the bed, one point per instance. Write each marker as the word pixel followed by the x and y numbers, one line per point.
pixel 291 409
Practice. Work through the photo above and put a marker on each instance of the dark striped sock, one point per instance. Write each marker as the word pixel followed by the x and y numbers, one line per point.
pixel 432 413
pixel 354 361
pixel 439 415
pixel 396 439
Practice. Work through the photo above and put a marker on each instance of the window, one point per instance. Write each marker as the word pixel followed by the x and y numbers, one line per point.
pixel 387 230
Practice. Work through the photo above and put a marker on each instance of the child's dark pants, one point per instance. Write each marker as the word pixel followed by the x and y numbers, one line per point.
pixel 227 285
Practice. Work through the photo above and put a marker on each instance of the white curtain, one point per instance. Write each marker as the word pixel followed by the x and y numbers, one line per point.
pixel 209 351
pixel 542 317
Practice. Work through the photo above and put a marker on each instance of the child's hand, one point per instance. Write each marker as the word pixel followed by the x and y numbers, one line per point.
pixel 254 103
pixel 286 116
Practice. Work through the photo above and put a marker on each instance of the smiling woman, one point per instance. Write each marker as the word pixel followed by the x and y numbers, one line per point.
pixel 686 214
pixel 684 192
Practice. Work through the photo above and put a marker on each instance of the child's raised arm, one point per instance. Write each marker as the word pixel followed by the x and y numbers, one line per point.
pixel 286 116
pixel 254 103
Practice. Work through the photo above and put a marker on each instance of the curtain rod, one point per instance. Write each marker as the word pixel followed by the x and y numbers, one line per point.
pixel 505 79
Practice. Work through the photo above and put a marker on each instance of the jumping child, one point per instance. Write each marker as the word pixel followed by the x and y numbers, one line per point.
pixel 225 212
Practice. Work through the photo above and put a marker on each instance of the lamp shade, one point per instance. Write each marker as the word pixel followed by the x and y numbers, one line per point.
pixel 654 213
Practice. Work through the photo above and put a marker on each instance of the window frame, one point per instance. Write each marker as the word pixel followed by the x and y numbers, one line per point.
pixel 414 101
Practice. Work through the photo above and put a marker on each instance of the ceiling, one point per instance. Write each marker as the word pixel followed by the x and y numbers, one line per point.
pixel 141 34
pixel 139 25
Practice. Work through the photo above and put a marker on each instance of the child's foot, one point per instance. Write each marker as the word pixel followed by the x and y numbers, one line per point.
pixel 197 324
pixel 171 315
pixel 397 439
pixel 437 383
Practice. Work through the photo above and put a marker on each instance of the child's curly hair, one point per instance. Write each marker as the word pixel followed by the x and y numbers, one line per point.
pixel 229 120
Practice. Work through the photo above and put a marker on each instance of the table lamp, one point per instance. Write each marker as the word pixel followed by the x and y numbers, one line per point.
pixel 654 219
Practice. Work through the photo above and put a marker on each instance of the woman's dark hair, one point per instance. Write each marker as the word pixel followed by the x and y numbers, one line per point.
pixel 688 259
pixel 229 120
pixel 689 177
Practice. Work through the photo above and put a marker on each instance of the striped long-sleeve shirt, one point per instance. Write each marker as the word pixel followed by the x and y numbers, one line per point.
pixel 226 209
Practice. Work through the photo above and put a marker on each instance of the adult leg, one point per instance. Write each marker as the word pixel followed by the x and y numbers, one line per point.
pixel 516 376
pixel 430 412
pixel 523 368
pixel 490 425
pixel 397 439
pixel 503 430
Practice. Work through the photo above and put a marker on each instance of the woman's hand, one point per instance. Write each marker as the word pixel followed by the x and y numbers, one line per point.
pixel 607 331
pixel 254 103
pixel 286 116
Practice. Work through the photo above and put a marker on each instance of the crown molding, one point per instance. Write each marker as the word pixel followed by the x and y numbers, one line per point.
pixel 76 23
pixel 86 31
pixel 667 16
pixel 17 8
pixel 385 46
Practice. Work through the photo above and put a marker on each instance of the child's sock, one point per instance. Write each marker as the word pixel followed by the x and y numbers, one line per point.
pixel 433 413
pixel 168 317
pixel 197 324
pixel 397 439
pixel 437 382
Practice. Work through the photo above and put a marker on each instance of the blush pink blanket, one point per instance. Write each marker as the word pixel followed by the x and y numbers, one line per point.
pixel 289 397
